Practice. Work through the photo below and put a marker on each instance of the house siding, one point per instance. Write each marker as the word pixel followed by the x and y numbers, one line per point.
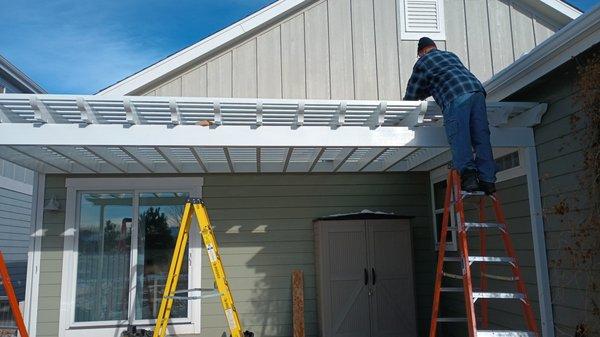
pixel 560 164
pixel 351 49
pixel 15 216
pixel 263 224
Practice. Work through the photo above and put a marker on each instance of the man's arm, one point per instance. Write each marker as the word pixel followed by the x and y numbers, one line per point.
pixel 418 86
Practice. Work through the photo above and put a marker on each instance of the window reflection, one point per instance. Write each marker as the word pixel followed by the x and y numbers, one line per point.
pixel 159 219
pixel 104 244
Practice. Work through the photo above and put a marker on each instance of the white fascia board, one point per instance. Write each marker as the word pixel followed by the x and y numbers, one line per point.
pixel 570 41
pixel 17 134
pixel 203 47
pixel 20 77
pixel 563 7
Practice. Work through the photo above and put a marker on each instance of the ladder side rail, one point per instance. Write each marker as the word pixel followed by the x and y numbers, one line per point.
pixel 464 251
pixel 440 261
pixel 516 270
pixel 483 266
pixel 12 298
pixel 166 303
pixel 214 257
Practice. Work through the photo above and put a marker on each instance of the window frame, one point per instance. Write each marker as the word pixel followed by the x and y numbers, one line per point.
pixel 512 172
pixel 75 187
pixel 435 176
pixel 416 35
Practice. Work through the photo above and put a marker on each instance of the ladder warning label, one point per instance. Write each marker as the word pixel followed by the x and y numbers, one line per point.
pixel 210 249
pixel 230 319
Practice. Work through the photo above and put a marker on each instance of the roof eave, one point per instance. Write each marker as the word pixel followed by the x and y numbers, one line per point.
pixel 567 43
pixel 20 77
pixel 202 48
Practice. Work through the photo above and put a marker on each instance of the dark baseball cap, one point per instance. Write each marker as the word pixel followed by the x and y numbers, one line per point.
pixel 425 42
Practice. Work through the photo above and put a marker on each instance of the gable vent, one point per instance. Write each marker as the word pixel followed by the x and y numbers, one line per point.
pixel 422 18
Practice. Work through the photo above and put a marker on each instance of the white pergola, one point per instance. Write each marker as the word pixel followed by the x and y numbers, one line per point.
pixel 141 134
pixel 74 134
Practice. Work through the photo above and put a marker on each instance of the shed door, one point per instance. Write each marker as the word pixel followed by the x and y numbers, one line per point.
pixel 366 278
pixel 344 260
pixel 392 299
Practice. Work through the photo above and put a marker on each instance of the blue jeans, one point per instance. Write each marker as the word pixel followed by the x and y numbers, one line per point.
pixel 467 129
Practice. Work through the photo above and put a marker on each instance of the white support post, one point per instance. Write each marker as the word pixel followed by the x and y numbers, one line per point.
pixel 539 242
pixel 34 254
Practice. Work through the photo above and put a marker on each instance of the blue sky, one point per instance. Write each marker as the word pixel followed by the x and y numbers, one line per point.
pixel 81 46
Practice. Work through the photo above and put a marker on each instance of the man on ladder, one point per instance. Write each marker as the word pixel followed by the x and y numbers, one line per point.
pixel 461 96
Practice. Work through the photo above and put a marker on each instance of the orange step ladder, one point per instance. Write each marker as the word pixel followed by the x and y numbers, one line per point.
pixel 455 197
pixel 12 299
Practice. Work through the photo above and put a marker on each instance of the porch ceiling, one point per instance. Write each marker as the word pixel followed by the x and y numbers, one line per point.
pixel 92 134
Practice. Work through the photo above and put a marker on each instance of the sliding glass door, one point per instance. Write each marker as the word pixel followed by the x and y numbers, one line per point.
pixel 123 258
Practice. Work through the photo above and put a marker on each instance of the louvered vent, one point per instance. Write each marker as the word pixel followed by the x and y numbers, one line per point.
pixel 422 18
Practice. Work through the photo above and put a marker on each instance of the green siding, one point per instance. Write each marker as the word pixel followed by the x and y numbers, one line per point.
pixel 53 226
pixel 263 223
pixel 560 165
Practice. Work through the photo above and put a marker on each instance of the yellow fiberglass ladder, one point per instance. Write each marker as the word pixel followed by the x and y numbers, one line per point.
pixel 196 206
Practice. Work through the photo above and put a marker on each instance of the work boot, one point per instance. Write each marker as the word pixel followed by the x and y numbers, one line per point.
pixel 468 181
pixel 487 188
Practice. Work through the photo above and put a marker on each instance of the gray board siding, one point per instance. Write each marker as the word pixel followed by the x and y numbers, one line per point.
pixel 351 49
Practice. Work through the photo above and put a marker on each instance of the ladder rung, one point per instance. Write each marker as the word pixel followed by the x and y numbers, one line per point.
pixel 451 319
pixel 508 296
pixel 500 277
pixel 469 225
pixel 452 259
pixel 450 275
pixel 204 293
pixel 491 259
pixel 472 194
pixel 452 289
pixel 504 333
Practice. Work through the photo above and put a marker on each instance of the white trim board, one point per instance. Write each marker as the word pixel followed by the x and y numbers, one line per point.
pixel 34 255
pixel 204 47
pixel 16 75
pixel 570 41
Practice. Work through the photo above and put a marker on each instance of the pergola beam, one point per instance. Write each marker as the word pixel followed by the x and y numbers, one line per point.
pixel 241 136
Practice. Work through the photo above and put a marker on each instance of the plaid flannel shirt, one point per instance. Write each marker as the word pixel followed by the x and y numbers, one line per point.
pixel 441 74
